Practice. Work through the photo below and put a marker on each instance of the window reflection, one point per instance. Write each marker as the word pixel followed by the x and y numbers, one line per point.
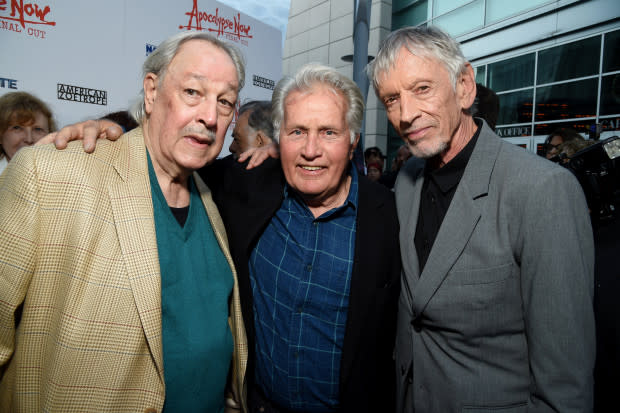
pixel 515 107
pixel 409 16
pixel 481 72
pixel 580 126
pixel 569 61
pixel 611 57
pixel 610 95
pixel 567 100
pixel 513 73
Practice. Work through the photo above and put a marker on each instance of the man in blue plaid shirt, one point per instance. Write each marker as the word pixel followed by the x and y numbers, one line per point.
pixel 314 255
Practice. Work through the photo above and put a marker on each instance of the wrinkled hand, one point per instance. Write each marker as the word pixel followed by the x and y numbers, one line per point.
pixel 258 155
pixel 89 131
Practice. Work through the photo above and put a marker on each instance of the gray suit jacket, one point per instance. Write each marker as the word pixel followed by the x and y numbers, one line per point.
pixel 501 318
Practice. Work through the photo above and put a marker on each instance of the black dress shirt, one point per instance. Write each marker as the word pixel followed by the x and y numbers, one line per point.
pixel 437 191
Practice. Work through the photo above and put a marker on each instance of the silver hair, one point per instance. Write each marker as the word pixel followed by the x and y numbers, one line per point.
pixel 419 41
pixel 158 61
pixel 309 76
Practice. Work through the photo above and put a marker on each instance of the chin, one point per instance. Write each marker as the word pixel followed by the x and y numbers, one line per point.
pixel 426 150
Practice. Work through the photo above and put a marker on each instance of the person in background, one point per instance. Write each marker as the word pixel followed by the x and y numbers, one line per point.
pixel 373 171
pixel 253 128
pixel 374 155
pixel 558 137
pixel 486 105
pixel 122 118
pixel 117 287
pixel 566 150
pixel 402 155
pixel 495 312
pixel 24 119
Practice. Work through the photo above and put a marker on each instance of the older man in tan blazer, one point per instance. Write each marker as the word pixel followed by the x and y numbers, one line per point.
pixel 84 310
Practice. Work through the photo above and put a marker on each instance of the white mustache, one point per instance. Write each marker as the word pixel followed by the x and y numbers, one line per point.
pixel 197 130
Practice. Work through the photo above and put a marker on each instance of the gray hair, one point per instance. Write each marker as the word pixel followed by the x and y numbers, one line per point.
pixel 420 41
pixel 305 79
pixel 158 61
pixel 260 116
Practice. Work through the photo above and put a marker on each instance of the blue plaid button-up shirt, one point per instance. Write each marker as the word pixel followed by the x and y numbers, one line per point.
pixel 300 272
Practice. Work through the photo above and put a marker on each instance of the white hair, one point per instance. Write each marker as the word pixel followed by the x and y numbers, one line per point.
pixel 309 76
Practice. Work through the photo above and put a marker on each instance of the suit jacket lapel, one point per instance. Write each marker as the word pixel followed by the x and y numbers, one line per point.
pixel 363 285
pixel 460 220
pixel 408 193
pixel 132 207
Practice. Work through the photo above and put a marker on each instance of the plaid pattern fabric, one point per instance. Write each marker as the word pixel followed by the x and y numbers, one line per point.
pixel 78 251
pixel 300 272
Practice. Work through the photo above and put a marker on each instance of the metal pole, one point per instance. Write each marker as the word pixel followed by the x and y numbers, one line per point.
pixel 360 58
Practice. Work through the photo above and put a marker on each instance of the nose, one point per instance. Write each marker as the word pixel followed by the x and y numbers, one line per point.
pixel 207 113
pixel 312 146
pixel 409 110
pixel 28 136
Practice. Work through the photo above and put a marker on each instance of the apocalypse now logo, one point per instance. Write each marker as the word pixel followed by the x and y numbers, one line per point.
pixel 30 19
pixel 220 25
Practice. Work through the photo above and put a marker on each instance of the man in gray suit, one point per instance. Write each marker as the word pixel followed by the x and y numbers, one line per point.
pixel 495 312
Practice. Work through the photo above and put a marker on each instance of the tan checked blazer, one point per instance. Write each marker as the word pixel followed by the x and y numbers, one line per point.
pixel 80 316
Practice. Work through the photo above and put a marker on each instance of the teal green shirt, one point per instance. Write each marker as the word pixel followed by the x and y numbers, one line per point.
pixel 196 282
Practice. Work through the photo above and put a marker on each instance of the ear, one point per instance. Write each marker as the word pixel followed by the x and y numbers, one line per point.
pixel 354 145
pixel 150 91
pixel 466 87
pixel 260 139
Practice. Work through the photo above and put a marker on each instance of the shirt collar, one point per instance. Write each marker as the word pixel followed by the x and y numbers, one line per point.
pixel 449 175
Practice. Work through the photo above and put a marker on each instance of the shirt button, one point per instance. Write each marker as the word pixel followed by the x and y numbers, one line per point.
pixel 309 268
pixel 316 224
pixel 296 354
pixel 299 310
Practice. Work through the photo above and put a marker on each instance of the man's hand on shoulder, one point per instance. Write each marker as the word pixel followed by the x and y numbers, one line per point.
pixel 257 156
pixel 89 131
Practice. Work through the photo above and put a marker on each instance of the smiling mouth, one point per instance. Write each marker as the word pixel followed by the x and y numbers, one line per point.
pixel 311 168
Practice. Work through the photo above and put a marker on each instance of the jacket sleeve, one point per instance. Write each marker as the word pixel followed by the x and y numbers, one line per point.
pixel 18 244
pixel 557 283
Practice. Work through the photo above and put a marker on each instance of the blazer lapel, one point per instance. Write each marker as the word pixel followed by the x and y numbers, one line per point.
pixel 363 285
pixel 460 220
pixel 132 207
pixel 452 237
pixel 408 192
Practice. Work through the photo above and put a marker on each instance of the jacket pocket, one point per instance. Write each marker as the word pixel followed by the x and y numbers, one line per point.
pixel 507 408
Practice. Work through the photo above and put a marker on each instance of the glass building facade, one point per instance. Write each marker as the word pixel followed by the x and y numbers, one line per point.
pixel 572 81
